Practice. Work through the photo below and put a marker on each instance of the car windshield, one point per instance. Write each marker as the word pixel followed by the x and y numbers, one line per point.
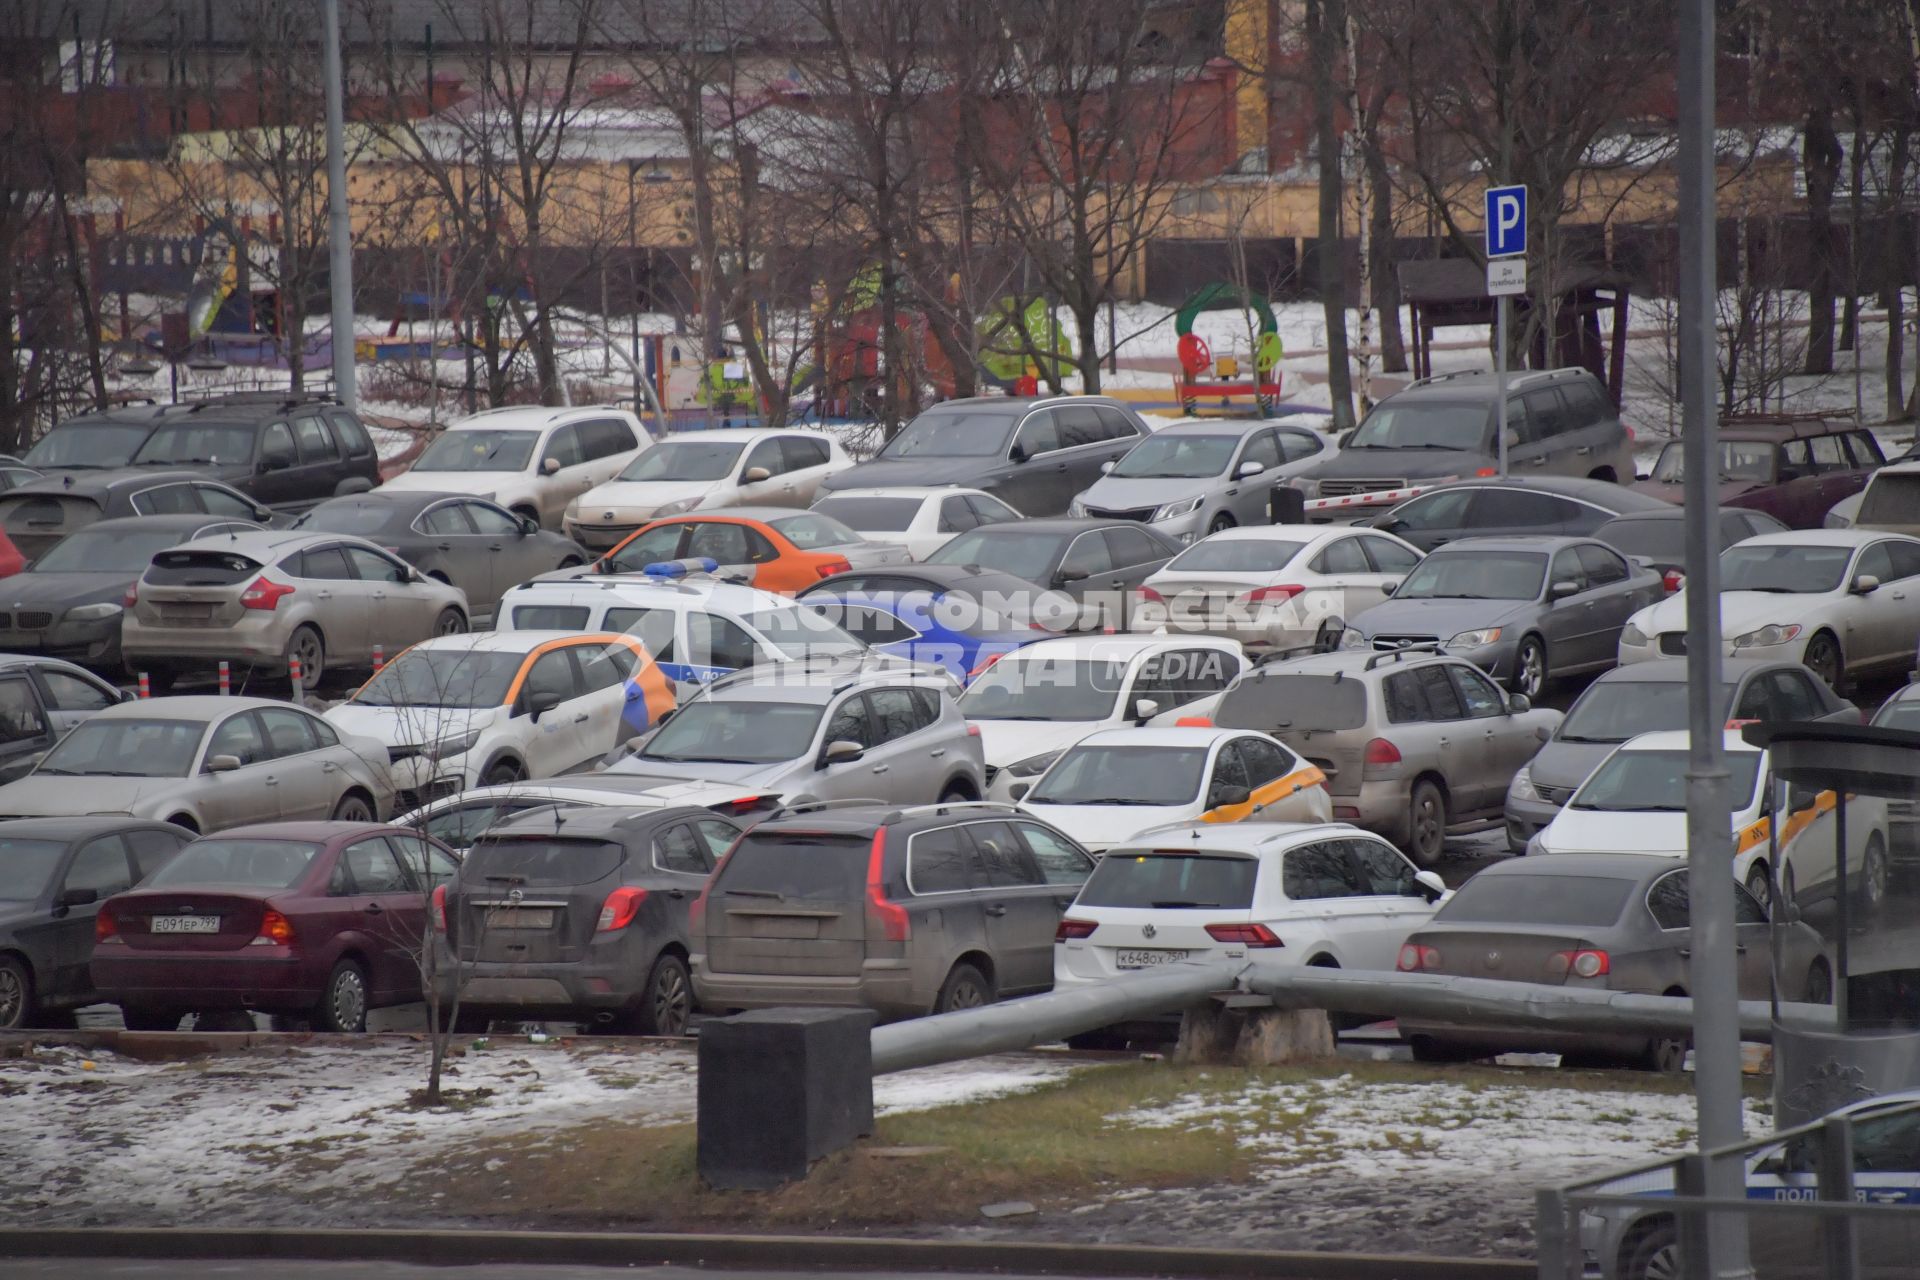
pixel 29 865
pixel 87 446
pixel 802 630
pixel 1656 781
pixel 1588 901
pixel 359 518
pixel 1180 456
pixel 442 678
pixel 243 864
pixel 1476 575
pixel 876 515
pixel 197 444
pixel 1899 713
pixel 1042 688
pixel 1739 460
pixel 736 732
pixel 122 551
pixel 115 748
pixel 1280 702
pixel 672 460
pixel 1424 424
pixel 1123 775
pixel 490 450
pixel 1171 881
pixel 1003 547
pixel 1235 555
pixel 1615 710
pixel 941 433
pixel 1783 570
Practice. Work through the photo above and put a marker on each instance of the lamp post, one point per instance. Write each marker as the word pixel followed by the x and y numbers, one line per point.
pixel 339 227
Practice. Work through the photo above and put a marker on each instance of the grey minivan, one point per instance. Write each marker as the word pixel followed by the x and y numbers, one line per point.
pixel 1033 454
pixel 903 912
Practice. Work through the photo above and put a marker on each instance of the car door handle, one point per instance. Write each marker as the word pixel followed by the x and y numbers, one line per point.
pixel 582 718
pixel 676 893
pixel 881 768
pixel 937 752
pixel 373 909
pixel 493 546
pixel 1584 450
pixel 323 595
pixel 444 546
pixel 997 909
pixel 329 767
pixel 1444 741
pixel 273 782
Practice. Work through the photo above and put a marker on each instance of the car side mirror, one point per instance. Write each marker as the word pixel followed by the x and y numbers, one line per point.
pixel 223 764
pixel 1393 525
pixel 1106 466
pixel 1065 576
pixel 1865 584
pixel 1145 709
pixel 1800 798
pixel 1227 797
pixel 79 897
pixel 754 475
pixel 1017 454
pixel 528 526
pixel 1251 467
pixel 1513 437
pixel 551 466
pixel 1561 590
pixel 1544 734
pixel 841 751
pixel 1518 703
pixel 1787 475
pixel 1435 888
pixel 538 704
pixel 1018 791
pixel 1390 587
pixel 1346 438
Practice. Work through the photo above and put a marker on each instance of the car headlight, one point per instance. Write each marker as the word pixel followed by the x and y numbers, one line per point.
pixel 1351 639
pixel 1174 510
pixel 1474 639
pixel 1034 764
pixel 675 508
pixel 1077 509
pixel 1777 633
pixel 1521 788
pixel 447 748
pixel 1632 635
pixel 92 612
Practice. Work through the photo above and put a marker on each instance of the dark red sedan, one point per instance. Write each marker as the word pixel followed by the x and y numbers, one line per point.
pixel 1792 467
pixel 321 920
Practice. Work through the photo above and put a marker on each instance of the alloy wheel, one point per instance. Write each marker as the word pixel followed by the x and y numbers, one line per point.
pixel 306 646
pixel 966 995
pixel 672 1001
pixel 1875 875
pixel 13 997
pixel 352 809
pixel 450 624
pixel 1532 674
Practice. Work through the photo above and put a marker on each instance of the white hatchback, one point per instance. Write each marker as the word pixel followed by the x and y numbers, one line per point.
pixel 533 461
pixel 1305 894
pixel 921 518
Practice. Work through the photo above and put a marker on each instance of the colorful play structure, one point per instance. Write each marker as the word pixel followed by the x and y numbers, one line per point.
pixel 1202 375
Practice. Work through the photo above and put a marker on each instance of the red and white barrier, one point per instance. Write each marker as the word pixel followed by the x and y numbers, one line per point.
pixel 1378 498
pixel 146 687
pixel 379 658
pixel 226 680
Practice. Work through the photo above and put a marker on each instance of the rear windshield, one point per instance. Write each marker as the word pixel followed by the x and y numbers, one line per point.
pixel 1236 555
pixel 539 863
pixel 1279 703
pixel 29 865
pixel 792 866
pixel 810 530
pixel 1588 901
pixel 550 617
pixel 200 569
pixel 1890 500
pixel 1171 881
pixel 30 513
pixel 885 515
pixel 1651 538
pixel 250 864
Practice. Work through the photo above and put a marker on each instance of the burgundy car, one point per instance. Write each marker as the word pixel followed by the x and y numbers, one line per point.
pixel 1792 468
pixel 316 920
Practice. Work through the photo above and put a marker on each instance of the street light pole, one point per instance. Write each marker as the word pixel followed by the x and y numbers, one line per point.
pixel 339 228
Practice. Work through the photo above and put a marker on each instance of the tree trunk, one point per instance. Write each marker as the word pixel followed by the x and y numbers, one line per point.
pixel 1889 258
pixel 1896 354
pixel 1323 24
pixel 1385 279
pixel 82 294
pixel 1086 324
pixel 1820 157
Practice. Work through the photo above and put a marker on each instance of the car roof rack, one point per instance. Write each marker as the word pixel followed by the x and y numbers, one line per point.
pixel 1291 652
pixel 1402 652
pixel 824 806
pixel 942 806
pixel 260 399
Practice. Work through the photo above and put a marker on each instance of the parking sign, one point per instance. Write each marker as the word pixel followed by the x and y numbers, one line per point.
pixel 1506 221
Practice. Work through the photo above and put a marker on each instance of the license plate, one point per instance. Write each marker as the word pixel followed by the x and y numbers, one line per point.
pixel 1145 959
pixel 520 918
pixel 185 924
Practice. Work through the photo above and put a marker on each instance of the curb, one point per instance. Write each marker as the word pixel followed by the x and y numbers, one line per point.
pixel 780 1253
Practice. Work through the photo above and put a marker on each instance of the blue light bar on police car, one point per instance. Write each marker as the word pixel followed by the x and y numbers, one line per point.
pixel 681 568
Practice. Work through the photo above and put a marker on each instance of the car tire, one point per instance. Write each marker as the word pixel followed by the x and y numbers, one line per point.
pixel 451 622
pixel 1327 638
pixel 139 1017
pixel 1427 1049
pixel 956 795
pixel 354 807
pixel 1760 885
pixel 1819 988
pixel 1789 895
pixel 1824 658
pixel 1664 1054
pixel 571 562
pixel 16 994
pixel 343 1002
pixel 1105 1040
pixel 1221 523
pixel 1531 674
pixel 665 1007
pixel 1875 876
pixel 965 988
pixel 307 644
pixel 1426 823
pixel 503 773
pixel 1654 1255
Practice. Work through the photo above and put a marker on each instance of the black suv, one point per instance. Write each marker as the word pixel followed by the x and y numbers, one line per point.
pixel 578 914
pixel 286 451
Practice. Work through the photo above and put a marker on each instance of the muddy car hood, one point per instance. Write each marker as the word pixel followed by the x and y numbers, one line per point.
pixel 1439 616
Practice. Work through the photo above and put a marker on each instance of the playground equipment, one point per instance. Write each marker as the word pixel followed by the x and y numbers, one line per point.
pixel 1201 375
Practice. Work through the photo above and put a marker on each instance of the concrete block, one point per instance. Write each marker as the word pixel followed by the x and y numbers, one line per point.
pixel 777 1090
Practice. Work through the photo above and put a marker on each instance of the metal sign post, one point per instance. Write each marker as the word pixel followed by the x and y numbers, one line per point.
pixel 1506 222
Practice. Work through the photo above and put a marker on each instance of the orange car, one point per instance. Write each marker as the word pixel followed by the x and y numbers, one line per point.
pixel 786 549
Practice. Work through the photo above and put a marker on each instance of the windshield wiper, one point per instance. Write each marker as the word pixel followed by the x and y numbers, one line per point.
pixel 1177 904
pixel 1579 737
pixel 700 759
pixel 1635 808
pixel 1136 800
pixel 506 879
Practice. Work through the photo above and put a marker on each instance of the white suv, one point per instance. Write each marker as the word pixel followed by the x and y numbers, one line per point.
pixel 533 461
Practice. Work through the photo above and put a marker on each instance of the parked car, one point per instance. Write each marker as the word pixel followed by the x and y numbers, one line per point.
pixel 922 627
pixel 1645 698
pixel 1113 784
pixel 1536 506
pixel 1097 563
pixel 920 518
pixel 578 914
pixel 1280 587
pixel 1413 743
pixel 1607 921
pixel 1792 467
pixel 775 548
pixel 261 600
pixel 1442 428
pixel 487 710
pixel 705 471
pixel 1034 703
pixel 1843 601
pixel 40 699
pixel 964 594
pixel 458 820
pixel 1032 454
pixel 1901 711
pixel 314 920
pixel 35 516
pixel 1525 610
pixel 104 439
pixel 285 451
pixel 69 602
pixel 534 461
pixel 206 763
pixel 1191 479
pixel 1887 503
pixel 478 546
pixel 13 476
pixel 1311 893
pixel 58 870
pixel 823 732
pixel 906 912
pixel 1657 540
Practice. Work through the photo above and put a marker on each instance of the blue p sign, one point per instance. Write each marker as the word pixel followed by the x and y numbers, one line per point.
pixel 1506 221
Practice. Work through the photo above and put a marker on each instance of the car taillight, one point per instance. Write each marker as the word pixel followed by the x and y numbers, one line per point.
pixel 980 668
pixel 1414 958
pixel 747 804
pixel 132 597
pixel 275 929
pixel 105 926
pixel 1148 595
pixel 973 730
pixel 1194 722
pixel 1265 594
pixel 1581 964
pixel 1673 580
pixel 1069 928
pixel 618 910
pixel 1251 935
pixel 1380 751
pixel 264 594
pixel 891 916
pixel 439 908
pixel 1484 472
pixel 827 568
